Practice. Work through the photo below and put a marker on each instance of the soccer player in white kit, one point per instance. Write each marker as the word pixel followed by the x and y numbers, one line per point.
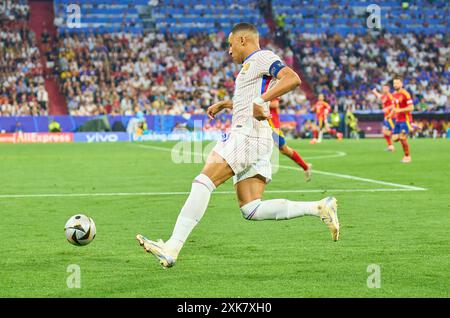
pixel 245 153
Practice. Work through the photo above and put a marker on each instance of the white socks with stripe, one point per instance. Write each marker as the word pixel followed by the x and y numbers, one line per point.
pixel 193 210
pixel 278 209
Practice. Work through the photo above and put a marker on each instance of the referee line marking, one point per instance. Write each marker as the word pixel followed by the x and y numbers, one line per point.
pixel 112 194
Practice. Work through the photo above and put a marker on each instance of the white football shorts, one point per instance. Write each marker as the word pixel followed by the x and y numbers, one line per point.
pixel 247 156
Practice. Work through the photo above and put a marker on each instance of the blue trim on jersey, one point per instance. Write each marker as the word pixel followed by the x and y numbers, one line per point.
pixel 275 68
pixel 264 81
pixel 401 127
pixel 251 55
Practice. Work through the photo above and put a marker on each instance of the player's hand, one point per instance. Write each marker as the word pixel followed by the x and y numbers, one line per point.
pixel 213 110
pixel 259 113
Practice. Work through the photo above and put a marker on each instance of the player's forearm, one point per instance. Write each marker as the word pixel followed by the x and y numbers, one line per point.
pixel 226 104
pixel 378 95
pixel 284 85
pixel 217 107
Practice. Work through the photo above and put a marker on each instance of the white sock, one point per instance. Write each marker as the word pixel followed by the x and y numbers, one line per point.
pixel 278 209
pixel 320 135
pixel 193 210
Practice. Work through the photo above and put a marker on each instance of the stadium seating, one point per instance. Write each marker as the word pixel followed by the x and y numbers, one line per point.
pixel 21 70
pixel 206 16
pixel 346 68
pixel 14 11
pixel 178 65
pixel 344 17
pixel 181 82
pixel 101 16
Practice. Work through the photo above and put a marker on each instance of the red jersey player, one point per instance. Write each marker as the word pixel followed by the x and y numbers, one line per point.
pixel 322 109
pixel 403 108
pixel 389 115
pixel 280 140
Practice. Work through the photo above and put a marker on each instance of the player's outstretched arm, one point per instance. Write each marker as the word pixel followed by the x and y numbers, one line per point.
pixel 375 92
pixel 217 107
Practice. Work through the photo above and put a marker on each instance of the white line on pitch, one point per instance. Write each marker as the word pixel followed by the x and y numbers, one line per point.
pixel 335 154
pixel 55 195
pixel 346 176
pixel 338 175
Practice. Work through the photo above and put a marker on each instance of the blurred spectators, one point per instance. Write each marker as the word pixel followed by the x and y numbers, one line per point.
pixel 155 74
pixel 430 128
pixel 14 11
pixel 173 73
pixel 345 68
pixel 21 73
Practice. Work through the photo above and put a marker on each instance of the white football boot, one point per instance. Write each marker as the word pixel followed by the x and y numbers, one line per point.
pixel 158 249
pixel 328 214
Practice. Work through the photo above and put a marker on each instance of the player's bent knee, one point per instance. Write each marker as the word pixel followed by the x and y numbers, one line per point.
pixel 249 210
pixel 284 149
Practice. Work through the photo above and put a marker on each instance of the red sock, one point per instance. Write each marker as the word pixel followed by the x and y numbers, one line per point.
pixel 388 139
pixel 296 157
pixel 405 146
pixel 332 132
pixel 315 134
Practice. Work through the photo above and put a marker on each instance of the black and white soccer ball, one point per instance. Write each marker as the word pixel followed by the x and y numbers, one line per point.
pixel 80 230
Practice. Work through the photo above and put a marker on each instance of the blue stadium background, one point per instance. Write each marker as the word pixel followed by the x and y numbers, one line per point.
pixel 77 60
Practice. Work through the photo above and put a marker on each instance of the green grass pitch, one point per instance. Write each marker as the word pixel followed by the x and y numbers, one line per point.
pixel 396 226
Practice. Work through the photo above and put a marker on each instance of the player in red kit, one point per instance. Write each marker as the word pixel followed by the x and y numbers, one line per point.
pixel 403 108
pixel 322 109
pixel 389 114
pixel 280 140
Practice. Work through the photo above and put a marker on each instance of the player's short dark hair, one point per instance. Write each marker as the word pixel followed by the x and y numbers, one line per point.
pixel 398 77
pixel 244 26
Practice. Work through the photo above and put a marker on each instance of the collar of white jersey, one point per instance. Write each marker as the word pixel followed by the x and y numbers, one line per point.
pixel 251 55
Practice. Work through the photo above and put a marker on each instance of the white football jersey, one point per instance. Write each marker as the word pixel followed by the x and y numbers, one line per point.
pixel 255 77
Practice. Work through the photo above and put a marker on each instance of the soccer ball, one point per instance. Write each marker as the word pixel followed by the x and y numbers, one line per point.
pixel 80 230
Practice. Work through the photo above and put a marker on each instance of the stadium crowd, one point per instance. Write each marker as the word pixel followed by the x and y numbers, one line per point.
pixel 175 74
pixel 152 73
pixel 14 11
pixel 171 73
pixel 22 91
pixel 346 68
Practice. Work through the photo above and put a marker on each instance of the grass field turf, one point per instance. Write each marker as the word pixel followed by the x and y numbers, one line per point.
pixel 404 232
